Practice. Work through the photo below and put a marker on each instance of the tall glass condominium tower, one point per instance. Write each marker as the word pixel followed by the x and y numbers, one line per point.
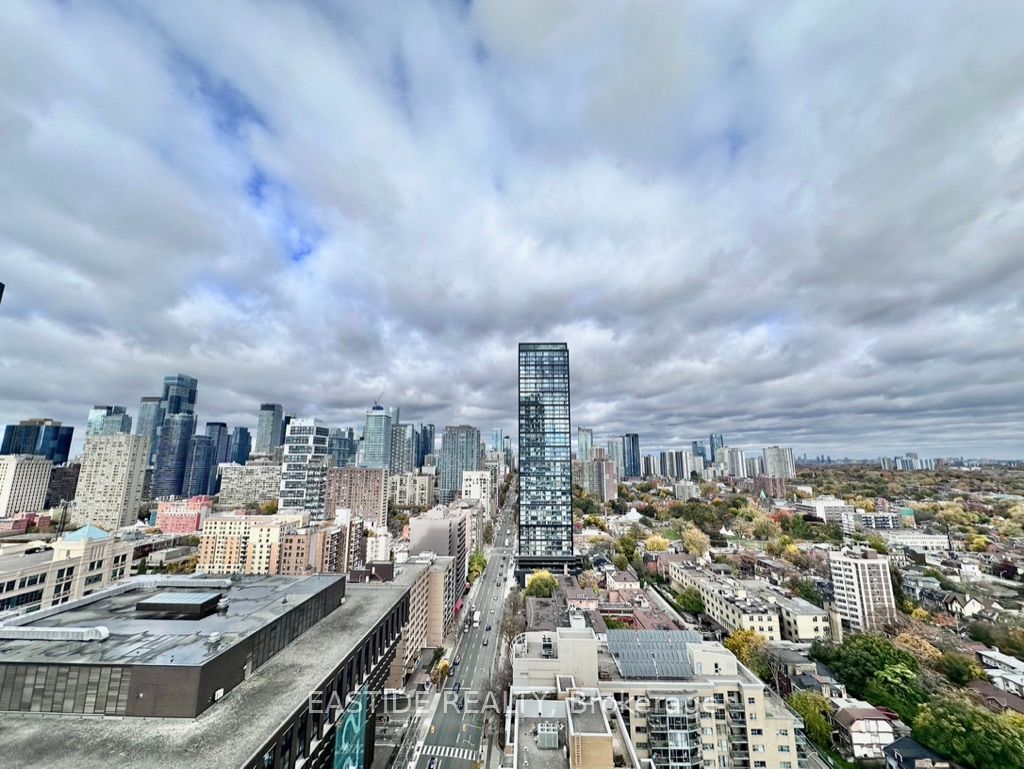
pixel 545 458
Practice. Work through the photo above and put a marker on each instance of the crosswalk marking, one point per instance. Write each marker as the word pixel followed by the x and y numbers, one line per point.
pixel 447 751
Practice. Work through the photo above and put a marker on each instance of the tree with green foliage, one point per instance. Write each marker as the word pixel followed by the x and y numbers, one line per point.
pixel 656 544
pixel 488 533
pixel 814 709
pixel 898 688
pixel 1008 638
pixel 749 648
pixel 695 541
pixel 690 601
pixel 859 657
pixel 621 562
pixel 765 528
pixel 541 584
pixel 806 589
pixel 959 668
pixel 875 542
pixel 616 624
pixel 969 734
pixel 477 564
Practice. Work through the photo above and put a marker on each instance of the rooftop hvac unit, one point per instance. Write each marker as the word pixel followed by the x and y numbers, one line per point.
pixel 547 736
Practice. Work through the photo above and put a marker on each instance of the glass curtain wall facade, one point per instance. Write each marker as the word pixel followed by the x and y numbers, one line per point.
pixel 545 453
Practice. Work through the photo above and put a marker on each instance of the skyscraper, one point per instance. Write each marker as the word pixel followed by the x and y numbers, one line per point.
pixel 221 441
pixel 240 446
pixel 200 467
pixel 779 463
pixel 584 444
pixel 377 438
pixel 268 428
pixel 148 424
pixel 342 447
pixel 545 457
pixel 716 441
pixel 426 443
pixel 496 441
pixel 179 396
pixel 402 445
pixel 304 466
pixel 107 420
pixel 698 449
pixel 110 483
pixel 172 455
pixel 617 454
pixel 460 450
pixel 631 455
pixel 42 437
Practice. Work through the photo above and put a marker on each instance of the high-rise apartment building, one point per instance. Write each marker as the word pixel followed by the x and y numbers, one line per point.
pixel 779 463
pixel 412 490
pixel 403 443
pixel 584 444
pixel 496 439
pixel 171 459
pixel 479 485
pixel 268 428
pixel 304 466
pixel 63 484
pixel 716 442
pixel 107 420
pixel 698 449
pixel 377 438
pixel 42 437
pixel 148 424
pixel 239 446
pixel 24 479
pixel 545 455
pixel 632 462
pixel 363 490
pixel 110 483
pixel 200 467
pixel 863 588
pixel 734 461
pixel 617 454
pixel 256 482
pixel 460 451
pixel 444 531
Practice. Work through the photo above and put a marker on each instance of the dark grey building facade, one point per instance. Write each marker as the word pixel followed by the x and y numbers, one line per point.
pixel 545 458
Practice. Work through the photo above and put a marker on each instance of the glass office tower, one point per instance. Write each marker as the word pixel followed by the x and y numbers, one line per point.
pixel 545 480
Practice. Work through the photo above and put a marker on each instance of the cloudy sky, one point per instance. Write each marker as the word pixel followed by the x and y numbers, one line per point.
pixel 788 222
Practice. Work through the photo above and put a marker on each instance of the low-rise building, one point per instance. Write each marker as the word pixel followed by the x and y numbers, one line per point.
pixel 75 565
pixel 862 732
pixel 801 620
pixel 235 543
pixel 731 603
pixel 183 516
pixel 908 753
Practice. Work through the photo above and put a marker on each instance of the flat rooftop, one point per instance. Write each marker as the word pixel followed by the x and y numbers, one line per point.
pixel 139 637
pixel 532 717
pixel 225 735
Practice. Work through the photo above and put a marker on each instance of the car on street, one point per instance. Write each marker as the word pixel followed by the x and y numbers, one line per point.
pixel 433 763
pixel 458 658
pixel 485 642
pixel 488 629
pixel 458 685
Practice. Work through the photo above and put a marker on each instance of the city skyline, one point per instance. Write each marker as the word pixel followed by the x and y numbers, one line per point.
pixel 741 220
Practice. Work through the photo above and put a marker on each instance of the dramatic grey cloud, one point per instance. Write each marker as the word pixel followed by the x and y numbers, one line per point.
pixel 797 224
